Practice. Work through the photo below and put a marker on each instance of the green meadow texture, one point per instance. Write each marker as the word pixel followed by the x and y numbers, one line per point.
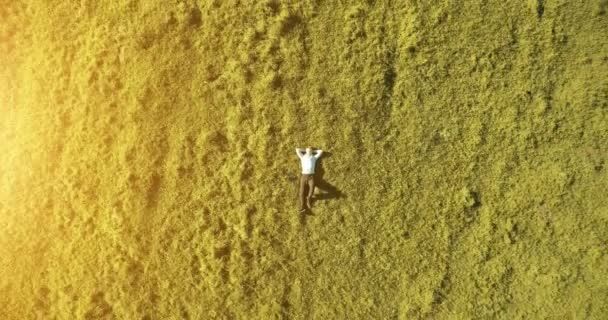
pixel 148 166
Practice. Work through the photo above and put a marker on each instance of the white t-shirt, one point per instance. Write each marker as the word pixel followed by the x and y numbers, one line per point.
pixel 309 161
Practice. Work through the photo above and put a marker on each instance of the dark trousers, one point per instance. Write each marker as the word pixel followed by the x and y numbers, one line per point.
pixel 306 180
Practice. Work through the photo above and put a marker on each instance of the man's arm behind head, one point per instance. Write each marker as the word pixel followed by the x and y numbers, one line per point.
pixel 319 153
pixel 299 152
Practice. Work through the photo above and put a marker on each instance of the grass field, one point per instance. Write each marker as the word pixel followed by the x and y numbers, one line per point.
pixel 148 171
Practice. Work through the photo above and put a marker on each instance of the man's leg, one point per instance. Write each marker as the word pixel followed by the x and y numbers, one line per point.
pixel 302 192
pixel 311 190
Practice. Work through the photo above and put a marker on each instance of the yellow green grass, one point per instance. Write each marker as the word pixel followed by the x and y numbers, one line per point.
pixel 148 171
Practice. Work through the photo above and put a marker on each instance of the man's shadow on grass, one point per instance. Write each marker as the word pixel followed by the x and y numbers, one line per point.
pixel 328 191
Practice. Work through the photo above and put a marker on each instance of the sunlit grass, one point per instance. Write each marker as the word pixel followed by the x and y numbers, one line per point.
pixel 147 166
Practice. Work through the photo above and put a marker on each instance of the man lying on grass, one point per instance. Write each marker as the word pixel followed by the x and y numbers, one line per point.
pixel 308 159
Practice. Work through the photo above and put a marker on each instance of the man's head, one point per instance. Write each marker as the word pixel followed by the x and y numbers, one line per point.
pixel 309 150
